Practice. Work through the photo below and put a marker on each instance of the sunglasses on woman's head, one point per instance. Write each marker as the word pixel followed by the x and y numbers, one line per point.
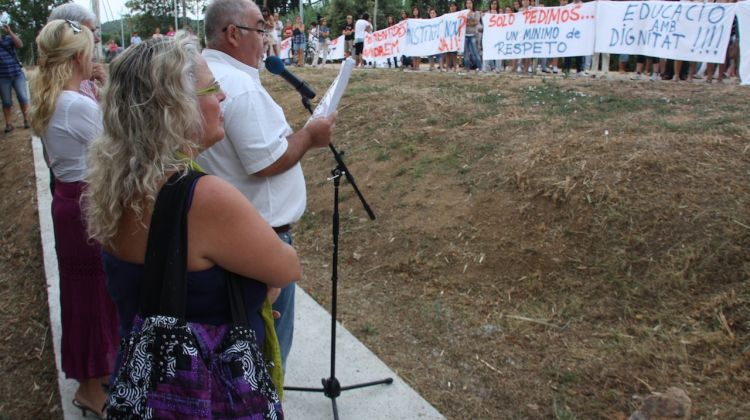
pixel 75 26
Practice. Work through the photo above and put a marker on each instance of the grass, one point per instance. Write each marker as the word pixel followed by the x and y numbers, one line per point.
pixel 601 255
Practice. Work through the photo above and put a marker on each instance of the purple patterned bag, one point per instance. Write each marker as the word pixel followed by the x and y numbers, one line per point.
pixel 172 368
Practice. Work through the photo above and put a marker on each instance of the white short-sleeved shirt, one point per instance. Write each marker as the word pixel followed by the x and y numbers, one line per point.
pixel 360 28
pixel 255 137
pixel 77 121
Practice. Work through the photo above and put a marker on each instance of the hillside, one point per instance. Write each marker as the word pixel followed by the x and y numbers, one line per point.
pixel 543 248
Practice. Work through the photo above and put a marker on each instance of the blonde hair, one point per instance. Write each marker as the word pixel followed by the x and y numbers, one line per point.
pixel 59 44
pixel 151 114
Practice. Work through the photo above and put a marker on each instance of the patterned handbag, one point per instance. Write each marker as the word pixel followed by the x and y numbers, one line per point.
pixel 172 368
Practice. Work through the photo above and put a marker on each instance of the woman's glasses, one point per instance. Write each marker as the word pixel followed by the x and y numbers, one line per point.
pixel 213 89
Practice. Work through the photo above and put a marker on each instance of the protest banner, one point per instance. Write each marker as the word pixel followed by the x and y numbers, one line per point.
pixel 425 37
pixel 285 52
pixel 336 48
pixel 743 21
pixel 417 38
pixel 677 30
pixel 385 43
pixel 540 32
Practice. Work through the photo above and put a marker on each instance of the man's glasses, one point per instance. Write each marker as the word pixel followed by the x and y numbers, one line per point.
pixel 75 26
pixel 260 31
pixel 213 89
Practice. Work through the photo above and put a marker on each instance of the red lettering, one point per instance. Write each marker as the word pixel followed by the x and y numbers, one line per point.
pixel 574 15
pixel 502 21
pixel 529 16
pixel 552 15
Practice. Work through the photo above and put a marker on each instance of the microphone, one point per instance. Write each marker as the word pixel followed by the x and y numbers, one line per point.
pixel 275 66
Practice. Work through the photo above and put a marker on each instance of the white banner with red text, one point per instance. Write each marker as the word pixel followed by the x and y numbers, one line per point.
pixel 540 32
pixel 417 38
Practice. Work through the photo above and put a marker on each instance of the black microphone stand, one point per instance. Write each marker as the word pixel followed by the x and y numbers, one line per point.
pixel 331 386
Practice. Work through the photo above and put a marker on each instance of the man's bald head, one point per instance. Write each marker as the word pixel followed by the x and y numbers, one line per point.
pixel 220 14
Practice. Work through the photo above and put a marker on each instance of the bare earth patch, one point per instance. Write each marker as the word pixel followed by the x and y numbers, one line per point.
pixel 28 388
pixel 543 248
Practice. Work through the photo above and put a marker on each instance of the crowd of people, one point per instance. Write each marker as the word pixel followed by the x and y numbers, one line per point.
pixel 653 68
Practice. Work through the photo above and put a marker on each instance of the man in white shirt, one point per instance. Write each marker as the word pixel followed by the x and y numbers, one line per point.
pixel 259 154
pixel 135 39
pixel 361 27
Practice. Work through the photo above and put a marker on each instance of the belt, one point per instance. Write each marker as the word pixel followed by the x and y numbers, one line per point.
pixel 283 228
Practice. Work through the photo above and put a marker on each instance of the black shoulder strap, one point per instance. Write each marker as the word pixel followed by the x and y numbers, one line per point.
pixel 164 288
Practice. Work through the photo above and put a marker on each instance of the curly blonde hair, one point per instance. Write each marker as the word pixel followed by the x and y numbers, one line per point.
pixel 60 43
pixel 151 116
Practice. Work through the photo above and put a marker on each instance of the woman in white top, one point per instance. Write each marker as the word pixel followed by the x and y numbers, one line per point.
pixel 67 122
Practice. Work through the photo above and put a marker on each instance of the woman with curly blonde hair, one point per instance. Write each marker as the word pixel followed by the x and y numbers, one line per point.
pixel 161 109
pixel 67 122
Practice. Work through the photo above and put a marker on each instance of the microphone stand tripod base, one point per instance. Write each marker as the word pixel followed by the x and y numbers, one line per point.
pixel 331 386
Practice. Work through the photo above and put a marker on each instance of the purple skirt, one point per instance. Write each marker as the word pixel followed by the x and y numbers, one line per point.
pixel 89 317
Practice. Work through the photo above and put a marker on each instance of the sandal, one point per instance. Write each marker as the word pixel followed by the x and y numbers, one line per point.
pixel 85 409
pixel 26 124
pixel 8 129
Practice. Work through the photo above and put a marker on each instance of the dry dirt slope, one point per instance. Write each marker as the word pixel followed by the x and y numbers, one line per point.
pixel 543 248
pixel 28 378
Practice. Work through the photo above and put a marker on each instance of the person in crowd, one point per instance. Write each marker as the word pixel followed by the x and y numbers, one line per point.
pixel 135 39
pixel 78 13
pixel 726 67
pixel 624 59
pixel 415 61
pixel 299 41
pixel 112 49
pixel 12 78
pixel 270 25
pixel 324 37
pixel 733 51
pixel 642 64
pixel 288 29
pixel 269 40
pixel 157 33
pixel 312 37
pixel 348 31
pixel 604 60
pixel 391 21
pixel 67 122
pixel 361 27
pixel 451 58
pixel 525 63
pixel 492 65
pixel 510 65
pixel 568 61
pixel 260 154
pixel 170 31
pixel 517 65
pixel 278 29
pixel 436 58
pixel 471 52
pixel 678 71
